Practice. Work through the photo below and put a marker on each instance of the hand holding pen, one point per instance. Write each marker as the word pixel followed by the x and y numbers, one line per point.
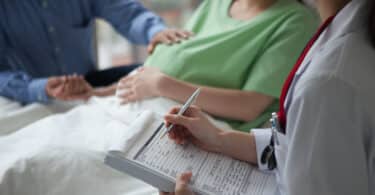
pixel 194 127
pixel 181 111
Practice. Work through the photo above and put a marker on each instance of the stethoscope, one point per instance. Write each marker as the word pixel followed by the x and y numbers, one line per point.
pixel 268 155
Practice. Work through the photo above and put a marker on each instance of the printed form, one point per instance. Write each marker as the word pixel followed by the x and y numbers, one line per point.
pixel 212 173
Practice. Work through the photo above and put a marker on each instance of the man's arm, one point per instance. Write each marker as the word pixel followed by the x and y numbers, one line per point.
pixel 21 87
pixel 18 85
pixel 130 18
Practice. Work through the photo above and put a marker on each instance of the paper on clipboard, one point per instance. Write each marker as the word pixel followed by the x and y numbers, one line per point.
pixel 160 160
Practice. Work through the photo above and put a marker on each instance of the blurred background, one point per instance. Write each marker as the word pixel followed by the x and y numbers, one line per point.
pixel 114 50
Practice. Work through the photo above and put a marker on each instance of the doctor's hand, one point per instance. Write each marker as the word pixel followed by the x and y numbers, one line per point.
pixel 181 185
pixel 168 36
pixel 194 127
pixel 141 85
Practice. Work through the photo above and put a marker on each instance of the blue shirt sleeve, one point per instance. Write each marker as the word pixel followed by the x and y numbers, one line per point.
pixel 18 85
pixel 21 87
pixel 130 18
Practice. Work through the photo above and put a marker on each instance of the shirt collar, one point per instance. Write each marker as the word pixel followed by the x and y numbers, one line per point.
pixel 350 19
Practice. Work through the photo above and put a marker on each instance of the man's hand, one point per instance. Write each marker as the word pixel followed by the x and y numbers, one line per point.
pixel 181 185
pixel 55 86
pixel 69 88
pixel 77 88
pixel 168 36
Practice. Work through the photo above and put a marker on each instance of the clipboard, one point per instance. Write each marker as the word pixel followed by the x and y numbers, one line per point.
pixel 158 161
pixel 164 183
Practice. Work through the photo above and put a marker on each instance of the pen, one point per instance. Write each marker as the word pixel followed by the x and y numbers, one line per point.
pixel 188 103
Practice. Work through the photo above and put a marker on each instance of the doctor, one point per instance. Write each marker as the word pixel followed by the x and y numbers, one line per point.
pixel 324 138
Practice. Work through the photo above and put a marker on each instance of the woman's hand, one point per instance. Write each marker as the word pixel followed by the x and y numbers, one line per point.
pixel 194 127
pixel 144 84
pixel 181 185
pixel 77 88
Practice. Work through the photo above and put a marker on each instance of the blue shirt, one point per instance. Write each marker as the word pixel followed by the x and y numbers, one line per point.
pixel 43 38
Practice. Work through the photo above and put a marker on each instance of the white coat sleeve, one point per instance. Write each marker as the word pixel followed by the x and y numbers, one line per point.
pixel 327 154
pixel 262 139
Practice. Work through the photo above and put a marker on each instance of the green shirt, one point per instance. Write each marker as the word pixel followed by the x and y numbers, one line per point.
pixel 254 55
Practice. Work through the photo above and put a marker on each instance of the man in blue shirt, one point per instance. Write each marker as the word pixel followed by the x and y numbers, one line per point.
pixel 43 40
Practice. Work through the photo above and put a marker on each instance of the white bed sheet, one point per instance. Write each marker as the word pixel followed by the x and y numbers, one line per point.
pixel 14 116
pixel 63 154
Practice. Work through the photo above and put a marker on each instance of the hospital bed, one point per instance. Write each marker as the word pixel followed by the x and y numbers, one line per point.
pixel 63 153
pixel 14 116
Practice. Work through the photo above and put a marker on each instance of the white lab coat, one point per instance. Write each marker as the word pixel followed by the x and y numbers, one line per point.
pixel 329 147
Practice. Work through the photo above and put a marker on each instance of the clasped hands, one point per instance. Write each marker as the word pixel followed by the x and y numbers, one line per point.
pixel 72 87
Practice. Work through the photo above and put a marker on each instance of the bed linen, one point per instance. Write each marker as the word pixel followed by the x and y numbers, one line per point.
pixel 14 116
pixel 64 153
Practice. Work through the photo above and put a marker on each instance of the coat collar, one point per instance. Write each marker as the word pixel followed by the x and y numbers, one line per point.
pixel 351 18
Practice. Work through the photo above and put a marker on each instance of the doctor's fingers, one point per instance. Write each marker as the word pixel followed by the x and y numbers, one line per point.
pixel 182 183
pixel 179 134
pixel 185 121
pixel 191 111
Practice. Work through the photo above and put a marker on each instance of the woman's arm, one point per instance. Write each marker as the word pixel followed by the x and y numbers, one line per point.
pixel 226 103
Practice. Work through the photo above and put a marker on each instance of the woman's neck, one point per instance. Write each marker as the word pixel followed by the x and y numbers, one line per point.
pixel 328 8
pixel 247 9
pixel 260 4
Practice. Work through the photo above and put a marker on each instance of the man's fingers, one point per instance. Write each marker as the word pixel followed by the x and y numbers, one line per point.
pixel 53 82
pixel 150 48
pixel 184 34
pixel 59 91
pixel 167 39
pixel 173 37
pixel 188 33
pixel 78 97
pixel 181 34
